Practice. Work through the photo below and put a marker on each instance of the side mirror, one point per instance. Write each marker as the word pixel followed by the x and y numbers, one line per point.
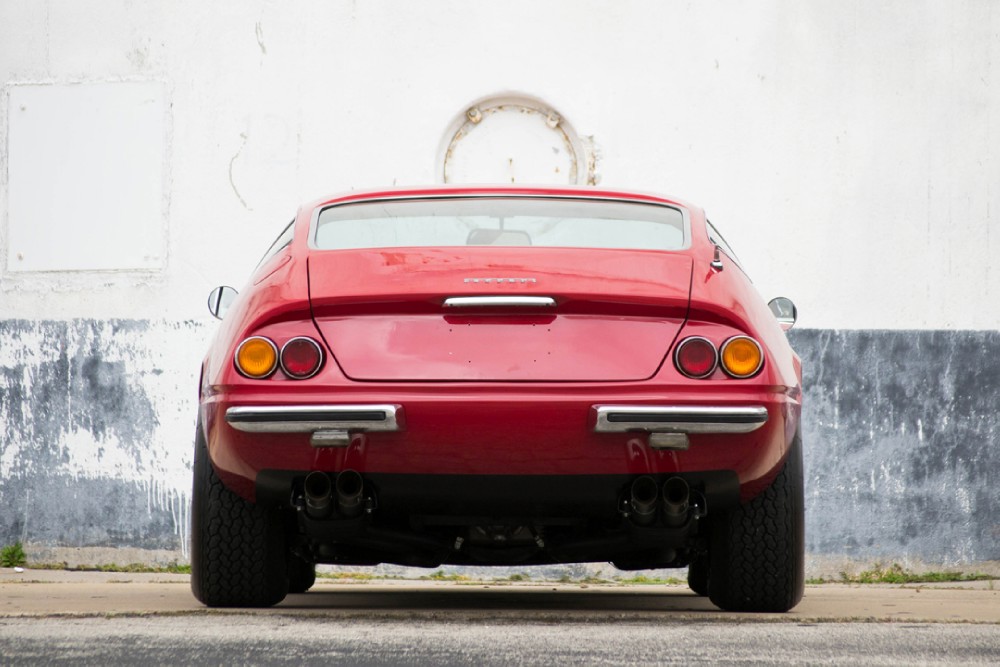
pixel 784 311
pixel 219 301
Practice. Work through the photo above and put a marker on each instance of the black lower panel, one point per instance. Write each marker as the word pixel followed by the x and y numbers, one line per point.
pixel 498 519
pixel 400 495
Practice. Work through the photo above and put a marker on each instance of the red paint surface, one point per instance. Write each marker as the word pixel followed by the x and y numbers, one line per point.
pixel 501 391
pixel 382 313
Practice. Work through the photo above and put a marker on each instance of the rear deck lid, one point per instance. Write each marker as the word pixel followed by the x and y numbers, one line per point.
pixel 488 302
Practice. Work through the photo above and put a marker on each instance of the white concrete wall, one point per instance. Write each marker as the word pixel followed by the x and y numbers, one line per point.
pixel 848 150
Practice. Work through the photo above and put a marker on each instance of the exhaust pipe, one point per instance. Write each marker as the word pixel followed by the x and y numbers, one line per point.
pixel 676 500
pixel 349 488
pixel 644 500
pixel 318 491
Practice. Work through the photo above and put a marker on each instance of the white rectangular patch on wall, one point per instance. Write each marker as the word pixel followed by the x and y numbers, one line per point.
pixel 85 177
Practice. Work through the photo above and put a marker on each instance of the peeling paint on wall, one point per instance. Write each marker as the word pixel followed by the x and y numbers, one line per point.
pixel 901 433
pixel 96 423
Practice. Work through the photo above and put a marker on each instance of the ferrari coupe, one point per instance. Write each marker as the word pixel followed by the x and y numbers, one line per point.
pixel 489 375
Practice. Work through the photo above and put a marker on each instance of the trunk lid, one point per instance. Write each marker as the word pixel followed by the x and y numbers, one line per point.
pixel 615 314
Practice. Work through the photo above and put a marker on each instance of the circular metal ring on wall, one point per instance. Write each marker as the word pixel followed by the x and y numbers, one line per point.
pixel 513 139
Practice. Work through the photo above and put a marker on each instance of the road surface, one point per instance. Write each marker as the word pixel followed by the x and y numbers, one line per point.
pixel 94 618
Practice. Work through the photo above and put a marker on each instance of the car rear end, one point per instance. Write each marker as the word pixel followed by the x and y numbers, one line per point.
pixel 499 380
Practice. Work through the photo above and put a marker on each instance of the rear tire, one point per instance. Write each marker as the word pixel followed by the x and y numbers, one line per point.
pixel 237 548
pixel 301 575
pixel 758 550
pixel 698 575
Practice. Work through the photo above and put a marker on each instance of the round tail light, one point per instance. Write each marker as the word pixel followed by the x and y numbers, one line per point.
pixel 696 357
pixel 741 357
pixel 256 357
pixel 301 358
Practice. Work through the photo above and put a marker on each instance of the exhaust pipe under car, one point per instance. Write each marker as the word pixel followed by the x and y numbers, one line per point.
pixel 350 484
pixel 644 494
pixel 318 491
pixel 676 501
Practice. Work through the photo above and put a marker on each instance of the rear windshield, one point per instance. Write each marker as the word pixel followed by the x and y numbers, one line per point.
pixel 500 221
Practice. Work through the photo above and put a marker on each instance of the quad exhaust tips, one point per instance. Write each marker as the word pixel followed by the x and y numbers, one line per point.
pixel 318 491
pixel 349 488
pixel 644 494
pixel 673 498
pixel 676 501
pixel 321 492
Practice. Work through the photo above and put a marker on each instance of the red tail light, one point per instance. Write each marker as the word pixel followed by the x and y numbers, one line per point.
pixel 301 358
pixel 696 357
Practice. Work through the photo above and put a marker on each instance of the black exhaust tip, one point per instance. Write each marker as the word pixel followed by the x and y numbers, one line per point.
pixel 318 491
pixel 643 500
pixel 676 501
pixel 350 486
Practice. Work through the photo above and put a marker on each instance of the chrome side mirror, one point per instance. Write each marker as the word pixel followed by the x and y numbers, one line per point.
pixel 219 300
pixel 784 311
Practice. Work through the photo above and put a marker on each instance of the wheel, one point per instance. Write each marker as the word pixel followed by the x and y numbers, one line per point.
pixel 301 574
pixel 237 548
pixel 698 576
pixel 757 554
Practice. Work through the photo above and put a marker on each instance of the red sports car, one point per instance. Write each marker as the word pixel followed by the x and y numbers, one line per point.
pixel 499 376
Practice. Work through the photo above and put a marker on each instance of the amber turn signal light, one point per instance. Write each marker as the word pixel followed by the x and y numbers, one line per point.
pixel 256 357
pixel 741 357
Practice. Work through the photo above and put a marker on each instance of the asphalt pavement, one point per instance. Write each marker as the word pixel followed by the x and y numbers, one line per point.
pixel 62 593
pixel 62 617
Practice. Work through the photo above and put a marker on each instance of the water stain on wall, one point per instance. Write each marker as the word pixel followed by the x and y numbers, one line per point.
pixel 900 432
pixel 93 448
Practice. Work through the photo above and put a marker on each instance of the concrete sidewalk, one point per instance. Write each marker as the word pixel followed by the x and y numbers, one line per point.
pixel 41 593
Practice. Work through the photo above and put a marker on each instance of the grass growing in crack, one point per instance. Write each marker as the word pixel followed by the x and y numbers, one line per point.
pixel 351 576
pixel 132 568
pixel 643 580
pixel 897 574
pixel 440 575
pixel 589 579
pixel 13 555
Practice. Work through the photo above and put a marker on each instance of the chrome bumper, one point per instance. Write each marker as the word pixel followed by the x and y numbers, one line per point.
pixel 669 426
pixel 330 425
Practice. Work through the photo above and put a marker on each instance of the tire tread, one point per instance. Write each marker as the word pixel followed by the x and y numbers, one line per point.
pixel 237 547
pixel 758 548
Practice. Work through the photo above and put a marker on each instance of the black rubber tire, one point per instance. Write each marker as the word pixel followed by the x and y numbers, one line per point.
pixel 698 576
pixel 238 556
pixel 301 574
pixel 757 552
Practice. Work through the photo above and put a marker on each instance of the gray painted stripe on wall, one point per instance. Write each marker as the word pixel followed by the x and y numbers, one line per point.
pixel 96 420
pixel 900 431
pixel 901 441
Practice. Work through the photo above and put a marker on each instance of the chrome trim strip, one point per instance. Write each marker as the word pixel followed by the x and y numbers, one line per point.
pixel 312 418
pixel 486 301
pixel 679 419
